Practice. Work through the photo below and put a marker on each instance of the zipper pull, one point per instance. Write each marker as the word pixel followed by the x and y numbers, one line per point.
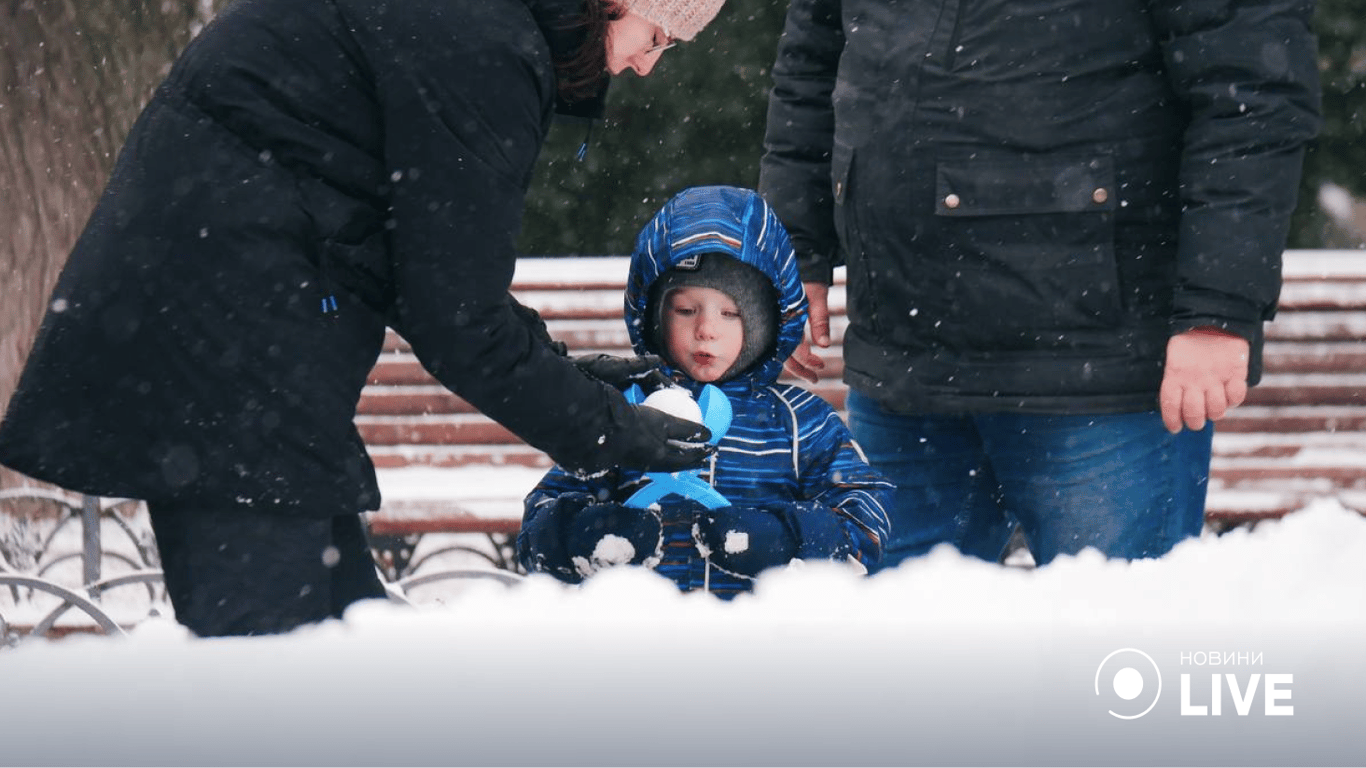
pixel 583 148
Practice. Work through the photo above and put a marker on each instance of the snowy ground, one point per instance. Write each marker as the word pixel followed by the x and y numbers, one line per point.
pixel 943 661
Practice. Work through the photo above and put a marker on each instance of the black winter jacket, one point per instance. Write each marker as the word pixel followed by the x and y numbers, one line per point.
pixel 309 171
pixel 1032 196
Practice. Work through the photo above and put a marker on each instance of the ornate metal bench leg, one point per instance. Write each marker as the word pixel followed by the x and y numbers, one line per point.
pixel 70 599
pixel 91 548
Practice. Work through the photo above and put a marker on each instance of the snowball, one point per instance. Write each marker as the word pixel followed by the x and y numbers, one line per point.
pixel 610 550
pixel 675 401
pixel 613 550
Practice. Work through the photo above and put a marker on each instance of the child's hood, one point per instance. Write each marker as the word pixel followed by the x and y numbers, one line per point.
pixel 731 221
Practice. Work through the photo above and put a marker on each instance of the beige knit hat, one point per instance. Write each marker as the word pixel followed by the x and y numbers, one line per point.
pixel 682 19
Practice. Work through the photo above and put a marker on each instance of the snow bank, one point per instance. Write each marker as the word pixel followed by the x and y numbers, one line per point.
pixel 943 661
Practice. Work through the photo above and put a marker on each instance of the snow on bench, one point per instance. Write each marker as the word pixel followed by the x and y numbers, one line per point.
pixel 443 467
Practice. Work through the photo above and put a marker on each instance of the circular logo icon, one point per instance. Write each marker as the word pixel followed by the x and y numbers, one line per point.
pixel 1129 683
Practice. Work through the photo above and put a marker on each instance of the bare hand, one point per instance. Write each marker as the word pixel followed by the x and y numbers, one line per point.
pixel 804 363
pixel 1205 375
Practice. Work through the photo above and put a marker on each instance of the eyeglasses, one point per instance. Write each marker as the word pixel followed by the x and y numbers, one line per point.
pixel 668 43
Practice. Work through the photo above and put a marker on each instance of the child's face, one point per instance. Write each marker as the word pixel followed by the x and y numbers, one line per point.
pixel 703 332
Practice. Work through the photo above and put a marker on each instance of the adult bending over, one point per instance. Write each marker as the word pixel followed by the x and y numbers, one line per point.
pixel 308 173
pixel 1063 225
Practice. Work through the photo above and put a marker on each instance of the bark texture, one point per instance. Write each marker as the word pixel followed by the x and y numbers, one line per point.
pixel 73 76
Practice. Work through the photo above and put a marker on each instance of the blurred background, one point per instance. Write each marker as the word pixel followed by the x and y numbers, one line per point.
pixel 74 76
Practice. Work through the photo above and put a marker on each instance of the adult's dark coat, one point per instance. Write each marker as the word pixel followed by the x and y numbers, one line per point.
pixel 1032 197
pixel 309 171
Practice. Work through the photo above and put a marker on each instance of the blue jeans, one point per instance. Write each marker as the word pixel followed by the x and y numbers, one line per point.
pixel 1120 483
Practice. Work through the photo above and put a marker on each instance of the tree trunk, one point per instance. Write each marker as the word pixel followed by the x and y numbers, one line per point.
pixel 73 76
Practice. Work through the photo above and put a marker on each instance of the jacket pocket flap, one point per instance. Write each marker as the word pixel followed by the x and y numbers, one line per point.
pixel 987 185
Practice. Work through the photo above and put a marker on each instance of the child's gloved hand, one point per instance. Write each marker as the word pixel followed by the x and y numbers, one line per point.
pixel 744 540
pixel 541 542
pixel 603 535
pixel 622 372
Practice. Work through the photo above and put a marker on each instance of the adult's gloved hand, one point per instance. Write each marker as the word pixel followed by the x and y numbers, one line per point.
pixel 533 321
pixel 609 534
pixel 622 372
pixel 644 439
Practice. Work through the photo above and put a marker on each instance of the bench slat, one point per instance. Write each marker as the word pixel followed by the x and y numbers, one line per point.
pixel 1269 454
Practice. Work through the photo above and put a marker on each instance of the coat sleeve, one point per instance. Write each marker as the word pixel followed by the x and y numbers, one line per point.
pixel 1248 75
pixel 465 113
pixel 836 476
pixel 794 173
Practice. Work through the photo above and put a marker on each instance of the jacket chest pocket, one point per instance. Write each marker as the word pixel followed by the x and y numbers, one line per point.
pixel 1030 240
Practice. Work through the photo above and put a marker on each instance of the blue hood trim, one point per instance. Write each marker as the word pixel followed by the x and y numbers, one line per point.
pixel 729 220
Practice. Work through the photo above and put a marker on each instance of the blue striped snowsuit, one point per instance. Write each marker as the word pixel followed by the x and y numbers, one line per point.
pixel 786 449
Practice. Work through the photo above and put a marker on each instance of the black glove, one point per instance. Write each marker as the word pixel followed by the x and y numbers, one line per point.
pixel 603 535
pixel 622 372
pixel 533 321
pixel 745 540
pixel 644 439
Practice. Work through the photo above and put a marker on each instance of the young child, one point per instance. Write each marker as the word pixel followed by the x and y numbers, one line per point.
pixel 714 291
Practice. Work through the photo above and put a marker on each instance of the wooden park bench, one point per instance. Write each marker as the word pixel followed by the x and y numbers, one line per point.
pixel 1301 435
pixel 446 469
